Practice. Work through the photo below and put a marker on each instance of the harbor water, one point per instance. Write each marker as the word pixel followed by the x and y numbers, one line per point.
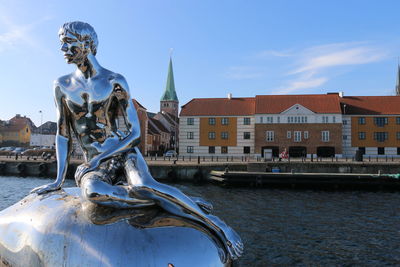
pixel 288 227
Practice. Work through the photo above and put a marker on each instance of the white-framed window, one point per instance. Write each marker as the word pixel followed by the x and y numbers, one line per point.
pixel 224 135
pixel 224 150
pixel 189 149
pixel 225 121
pixel 246 135
pixel 334 119
pixel 289 134
pixel 325 136
pixel 306 134
pixel 297 136
pixel 211 135
pixel 269 136
pixel 279 119
pixel 261 119
pixel 190 121
pixel 211 121
pixel 344 122
pixel 246 121
pixel 270 119
pixel 190 135
pixel 325 119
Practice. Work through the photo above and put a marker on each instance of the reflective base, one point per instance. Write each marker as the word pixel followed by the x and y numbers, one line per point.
pixel 56 229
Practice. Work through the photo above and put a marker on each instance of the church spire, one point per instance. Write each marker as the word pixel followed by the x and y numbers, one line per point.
pixel 169 93
pixel 398 80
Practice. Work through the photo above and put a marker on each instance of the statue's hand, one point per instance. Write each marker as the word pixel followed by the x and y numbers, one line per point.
pixel 85 168
pixel 46 188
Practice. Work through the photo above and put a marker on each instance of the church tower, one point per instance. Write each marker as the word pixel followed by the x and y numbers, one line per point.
pixel 169 101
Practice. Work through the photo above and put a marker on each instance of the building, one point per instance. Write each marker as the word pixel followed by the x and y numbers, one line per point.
pixel 217 126
pixel 371 124
pixel 17 131
pixel 44 135
pixel 304 125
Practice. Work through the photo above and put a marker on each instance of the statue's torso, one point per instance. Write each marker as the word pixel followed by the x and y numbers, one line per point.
pixel 92 109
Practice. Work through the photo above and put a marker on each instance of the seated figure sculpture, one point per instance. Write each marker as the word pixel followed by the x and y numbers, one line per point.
pixel 88 102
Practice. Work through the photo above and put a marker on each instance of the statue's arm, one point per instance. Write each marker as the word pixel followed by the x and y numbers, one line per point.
pixel 63 143
pixel 121 92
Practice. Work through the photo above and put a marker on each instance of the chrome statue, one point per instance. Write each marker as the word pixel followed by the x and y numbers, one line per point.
pixel 88 102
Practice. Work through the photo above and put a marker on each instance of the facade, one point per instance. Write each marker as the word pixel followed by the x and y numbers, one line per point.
pixel 304 125
pixel 371 124
pixel 17 131
pixel 217 127
pixel 330 125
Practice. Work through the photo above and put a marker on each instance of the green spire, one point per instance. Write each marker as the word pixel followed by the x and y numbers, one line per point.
pixel 169 93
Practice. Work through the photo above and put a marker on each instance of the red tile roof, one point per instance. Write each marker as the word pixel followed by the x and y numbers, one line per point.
pixel 219 107
pixel 370 105
pixel 274 104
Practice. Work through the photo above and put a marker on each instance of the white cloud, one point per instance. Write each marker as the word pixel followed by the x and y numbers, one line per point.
pixel 243 73
pixel 17 34
pixel 273 53
pixel 301 85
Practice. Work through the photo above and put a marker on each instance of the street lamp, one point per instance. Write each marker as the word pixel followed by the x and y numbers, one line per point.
pixel 41 128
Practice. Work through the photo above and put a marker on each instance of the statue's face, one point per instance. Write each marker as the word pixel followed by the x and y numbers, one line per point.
pixel 75 51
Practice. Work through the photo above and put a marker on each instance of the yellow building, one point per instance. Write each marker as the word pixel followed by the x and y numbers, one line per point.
pixel 16 132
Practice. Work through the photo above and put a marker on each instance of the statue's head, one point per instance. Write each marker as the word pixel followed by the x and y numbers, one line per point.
pixel 78 39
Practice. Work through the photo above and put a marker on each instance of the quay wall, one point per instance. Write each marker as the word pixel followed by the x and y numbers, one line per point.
pixel 198 172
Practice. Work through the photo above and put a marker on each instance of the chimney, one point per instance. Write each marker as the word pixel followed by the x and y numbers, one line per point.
pixel 230 96
pixel 341 93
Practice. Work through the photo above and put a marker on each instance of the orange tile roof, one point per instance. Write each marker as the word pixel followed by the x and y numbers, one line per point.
pixel 370 105
pixel 274 104
pixel 236 106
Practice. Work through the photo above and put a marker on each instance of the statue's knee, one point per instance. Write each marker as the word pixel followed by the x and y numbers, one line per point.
pixel 89 190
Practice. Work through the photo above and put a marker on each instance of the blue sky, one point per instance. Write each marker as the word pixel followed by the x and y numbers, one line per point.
pixel 240 47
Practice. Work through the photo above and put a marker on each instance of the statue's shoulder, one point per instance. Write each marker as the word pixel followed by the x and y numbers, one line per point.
pixel 116 78
pixel 63 81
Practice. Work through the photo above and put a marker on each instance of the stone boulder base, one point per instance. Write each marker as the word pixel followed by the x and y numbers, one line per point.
pixel 60 229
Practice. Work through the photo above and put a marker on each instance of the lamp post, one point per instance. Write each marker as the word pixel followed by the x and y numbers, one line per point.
pixel 41 128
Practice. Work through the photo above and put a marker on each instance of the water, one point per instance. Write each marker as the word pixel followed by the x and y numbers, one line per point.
pixel 291 228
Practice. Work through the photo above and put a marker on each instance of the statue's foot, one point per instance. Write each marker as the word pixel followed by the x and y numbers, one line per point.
pixel 205 206
pixel 232 241
pixel 234 244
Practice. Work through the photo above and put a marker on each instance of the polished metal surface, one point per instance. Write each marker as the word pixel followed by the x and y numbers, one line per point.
pixel 88 102
pixel 63 229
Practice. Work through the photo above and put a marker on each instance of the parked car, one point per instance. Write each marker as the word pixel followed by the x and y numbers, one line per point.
pixel 170 153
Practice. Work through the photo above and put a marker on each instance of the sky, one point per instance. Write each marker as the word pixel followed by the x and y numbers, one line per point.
pixel 246 48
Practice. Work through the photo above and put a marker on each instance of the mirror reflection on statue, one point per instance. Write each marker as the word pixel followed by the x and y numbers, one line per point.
pixel 88 102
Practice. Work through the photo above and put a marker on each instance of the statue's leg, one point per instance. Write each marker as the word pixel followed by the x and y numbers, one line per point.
pixel 95 189
pixel 174 201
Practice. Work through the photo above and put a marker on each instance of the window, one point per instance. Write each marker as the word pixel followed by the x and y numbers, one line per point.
pixel 224 150
pixel 190 121
pixel 344 122
pixel 397 120
pixel 325 136
pixel 344 137
pixel 246 121
pixel 211 149
pixel 225 121
pixel 261 119
pixel 270 136
pixel 246 135
pixel 224 135
pixel 190 135
pixel 398 151
pixel 361 120
pixel 246 150
pixel 211 121
pixel 333 119
pixel 361 135
pixel 381 151
pixel 398 135
pixel 306 134
pixel 325 119
pixel 211 135
pixel 279 119
pixel 189 149
pixel 288 134
pixel 297 136
pixel 380 136
pixel 270 119
pixel 380 121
